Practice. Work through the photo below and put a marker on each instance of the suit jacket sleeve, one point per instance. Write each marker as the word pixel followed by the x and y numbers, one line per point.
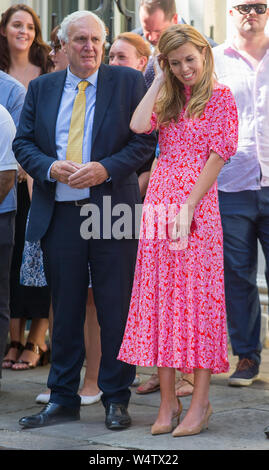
pixel 30 156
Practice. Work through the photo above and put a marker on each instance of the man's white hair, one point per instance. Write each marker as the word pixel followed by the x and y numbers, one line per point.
pixel 72 18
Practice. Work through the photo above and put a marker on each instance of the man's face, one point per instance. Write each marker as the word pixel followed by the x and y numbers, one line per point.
pixel 250 22
pixel 84 48
pixel 153 25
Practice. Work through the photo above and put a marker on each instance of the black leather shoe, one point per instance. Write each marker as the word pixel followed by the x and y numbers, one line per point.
pixel 267 431
pixel 117 416
pixel 52 413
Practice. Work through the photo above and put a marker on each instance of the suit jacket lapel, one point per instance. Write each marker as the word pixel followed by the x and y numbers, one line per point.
pixel 103 98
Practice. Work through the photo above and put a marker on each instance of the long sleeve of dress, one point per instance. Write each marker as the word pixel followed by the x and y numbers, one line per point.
pixel 223 134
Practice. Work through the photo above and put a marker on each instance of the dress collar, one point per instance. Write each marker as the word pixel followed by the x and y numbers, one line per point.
pixel 187 90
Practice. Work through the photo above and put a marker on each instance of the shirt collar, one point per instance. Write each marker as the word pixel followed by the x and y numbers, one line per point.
pixel 229 47
pixel 73 81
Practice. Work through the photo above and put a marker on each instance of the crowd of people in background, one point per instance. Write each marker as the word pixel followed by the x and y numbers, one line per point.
pixel 168 119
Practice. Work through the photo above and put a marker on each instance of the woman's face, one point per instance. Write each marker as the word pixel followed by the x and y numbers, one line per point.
pixel 20 31
pixel 58 58
pixel 187 63
pixel 125 54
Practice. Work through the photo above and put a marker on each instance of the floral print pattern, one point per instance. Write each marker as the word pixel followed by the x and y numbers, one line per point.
pixel 32 270
pixel 177 315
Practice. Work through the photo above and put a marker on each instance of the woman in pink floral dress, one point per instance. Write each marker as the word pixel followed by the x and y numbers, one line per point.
pixel 177 317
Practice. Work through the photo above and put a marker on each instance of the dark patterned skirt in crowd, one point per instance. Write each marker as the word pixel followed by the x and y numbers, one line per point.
pixel 25 301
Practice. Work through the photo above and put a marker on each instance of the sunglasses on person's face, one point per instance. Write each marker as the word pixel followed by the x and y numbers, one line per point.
pixel 244 9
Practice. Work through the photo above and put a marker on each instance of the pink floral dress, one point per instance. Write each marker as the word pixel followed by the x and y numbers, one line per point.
pixel 177 315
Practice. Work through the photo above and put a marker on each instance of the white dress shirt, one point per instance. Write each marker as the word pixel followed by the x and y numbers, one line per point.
pixel 249 168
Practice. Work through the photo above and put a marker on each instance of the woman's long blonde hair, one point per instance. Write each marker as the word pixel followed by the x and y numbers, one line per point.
pixel 172 97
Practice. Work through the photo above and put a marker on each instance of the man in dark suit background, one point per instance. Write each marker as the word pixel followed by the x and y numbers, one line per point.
pixel 155 17
pixel 70 170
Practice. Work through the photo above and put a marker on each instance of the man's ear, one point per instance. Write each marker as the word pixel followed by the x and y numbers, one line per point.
pixel 63 44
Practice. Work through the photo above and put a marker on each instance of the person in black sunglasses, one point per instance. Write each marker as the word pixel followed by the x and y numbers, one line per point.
pixel 250 16
pixel 245 8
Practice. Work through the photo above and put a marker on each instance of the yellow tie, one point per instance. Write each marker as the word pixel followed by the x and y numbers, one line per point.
pixel 76 130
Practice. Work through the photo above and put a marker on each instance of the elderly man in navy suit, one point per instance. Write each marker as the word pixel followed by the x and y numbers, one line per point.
pixel 74 140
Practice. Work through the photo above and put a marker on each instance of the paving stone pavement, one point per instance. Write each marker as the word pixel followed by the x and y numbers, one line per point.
pixel 239 418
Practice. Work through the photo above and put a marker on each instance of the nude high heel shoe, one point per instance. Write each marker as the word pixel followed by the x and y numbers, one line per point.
pixel 196 430
pixel 165 429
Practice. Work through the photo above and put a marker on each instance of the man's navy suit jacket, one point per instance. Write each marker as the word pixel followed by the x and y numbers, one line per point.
pixel 114 145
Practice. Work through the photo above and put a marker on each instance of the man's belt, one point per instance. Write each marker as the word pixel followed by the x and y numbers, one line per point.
pixel 79 203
